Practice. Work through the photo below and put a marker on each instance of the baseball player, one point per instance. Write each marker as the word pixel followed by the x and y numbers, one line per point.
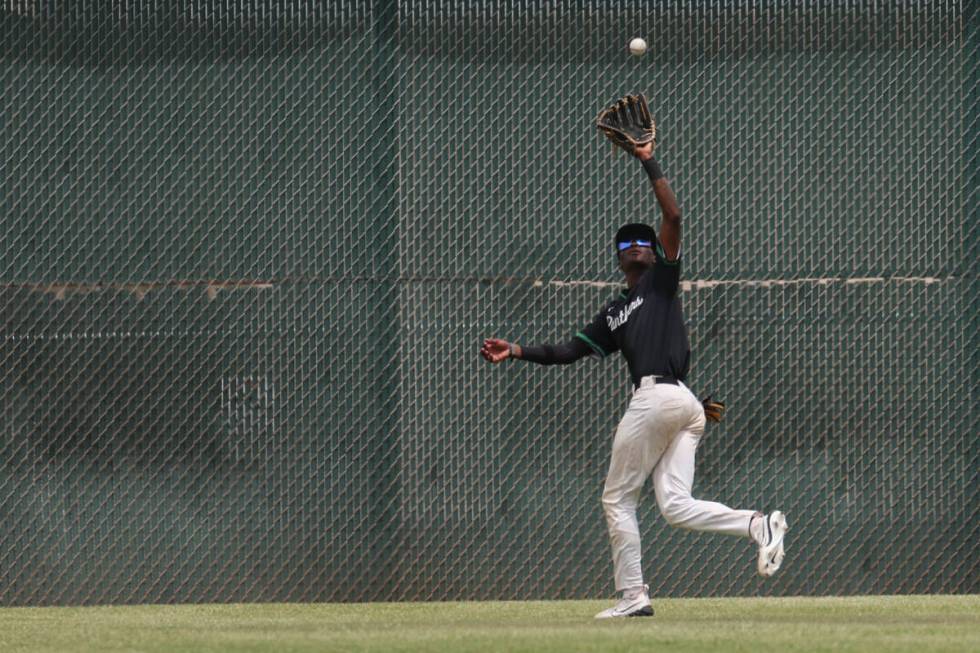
pixel 659 434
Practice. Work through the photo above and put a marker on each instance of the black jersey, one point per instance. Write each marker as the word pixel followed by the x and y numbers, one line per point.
pixel 646 324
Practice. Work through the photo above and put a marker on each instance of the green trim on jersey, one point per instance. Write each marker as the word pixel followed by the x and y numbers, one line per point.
pixel 589 342
pixel 663 255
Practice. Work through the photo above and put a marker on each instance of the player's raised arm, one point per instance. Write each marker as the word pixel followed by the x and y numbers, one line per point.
pixel 670 223
pixel 629 125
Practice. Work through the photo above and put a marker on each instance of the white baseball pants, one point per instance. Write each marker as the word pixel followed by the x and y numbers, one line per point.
pixel 659 435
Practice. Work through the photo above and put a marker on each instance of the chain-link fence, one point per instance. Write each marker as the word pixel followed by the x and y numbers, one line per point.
pixel 250 249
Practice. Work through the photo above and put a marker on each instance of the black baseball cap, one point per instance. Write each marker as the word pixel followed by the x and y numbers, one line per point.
pixel 635 231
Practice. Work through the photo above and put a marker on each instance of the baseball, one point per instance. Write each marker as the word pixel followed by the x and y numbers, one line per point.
pixel 638 46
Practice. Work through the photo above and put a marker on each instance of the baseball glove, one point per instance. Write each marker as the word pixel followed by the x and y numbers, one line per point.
pixel 627 123
pixel 713 410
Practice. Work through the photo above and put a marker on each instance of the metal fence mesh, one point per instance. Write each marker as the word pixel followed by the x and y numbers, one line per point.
pixel 251 249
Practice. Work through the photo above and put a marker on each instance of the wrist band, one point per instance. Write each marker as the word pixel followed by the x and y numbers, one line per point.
pixel 652 168
pixel 510 348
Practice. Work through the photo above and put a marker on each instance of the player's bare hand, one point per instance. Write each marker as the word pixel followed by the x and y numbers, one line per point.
pixel 495 350
pixel 643 152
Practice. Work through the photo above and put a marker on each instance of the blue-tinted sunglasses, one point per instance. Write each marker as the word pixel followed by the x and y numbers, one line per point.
pixel 629 243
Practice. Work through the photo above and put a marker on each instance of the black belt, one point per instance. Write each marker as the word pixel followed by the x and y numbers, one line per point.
pixel 659 379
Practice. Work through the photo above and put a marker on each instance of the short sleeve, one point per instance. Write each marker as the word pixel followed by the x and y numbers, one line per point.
pixel 664 277
pixel 598 336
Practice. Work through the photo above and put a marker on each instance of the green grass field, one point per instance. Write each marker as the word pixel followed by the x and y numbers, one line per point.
pixel 898 623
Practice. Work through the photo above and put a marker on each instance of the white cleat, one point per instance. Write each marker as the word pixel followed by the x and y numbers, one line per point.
pixel 769 533
pixel 638 606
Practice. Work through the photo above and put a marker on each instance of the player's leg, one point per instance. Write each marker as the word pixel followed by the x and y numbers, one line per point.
pixel 619 502
pixel 673 478
pixel 633 456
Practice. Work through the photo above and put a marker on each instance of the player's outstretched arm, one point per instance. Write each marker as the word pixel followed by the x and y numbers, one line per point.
pixel 670 224
pixel 496 350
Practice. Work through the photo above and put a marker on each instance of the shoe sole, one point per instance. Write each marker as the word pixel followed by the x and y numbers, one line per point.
pixel 645 611
pixel 771 557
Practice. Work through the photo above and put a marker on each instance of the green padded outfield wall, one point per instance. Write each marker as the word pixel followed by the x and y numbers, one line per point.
pixel 250 249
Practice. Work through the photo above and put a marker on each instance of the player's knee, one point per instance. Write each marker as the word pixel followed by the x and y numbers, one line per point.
pixel 611 505
pixel 617 510
pixel 676 510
